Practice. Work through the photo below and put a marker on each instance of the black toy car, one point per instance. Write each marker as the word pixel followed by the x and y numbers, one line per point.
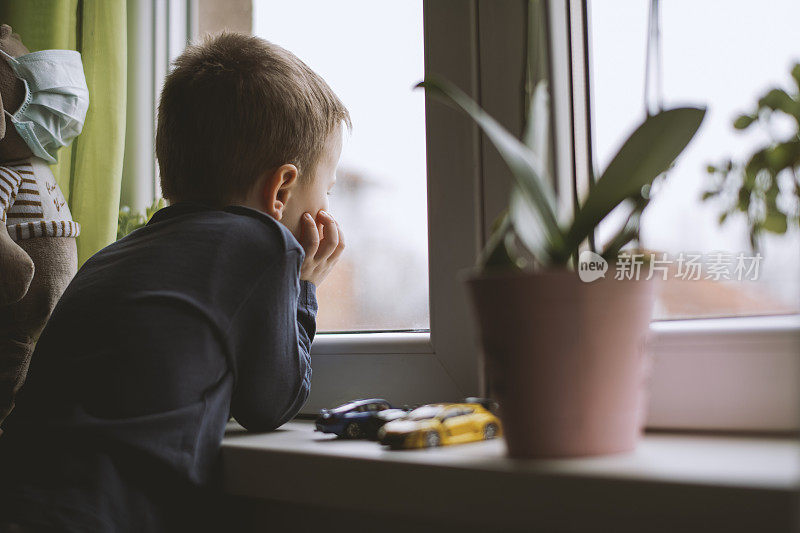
pixel 358 419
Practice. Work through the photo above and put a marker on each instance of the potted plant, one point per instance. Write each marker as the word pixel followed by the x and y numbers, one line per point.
pixel 129 220
pixel 564 357
pixel 765 188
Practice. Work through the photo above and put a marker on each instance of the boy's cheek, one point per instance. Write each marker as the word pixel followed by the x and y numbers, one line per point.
pixel 291 223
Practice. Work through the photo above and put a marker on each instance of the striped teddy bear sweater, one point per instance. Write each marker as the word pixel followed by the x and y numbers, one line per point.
pixel 31 203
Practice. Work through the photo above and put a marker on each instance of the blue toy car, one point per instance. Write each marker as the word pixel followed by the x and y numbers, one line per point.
pixel 357 419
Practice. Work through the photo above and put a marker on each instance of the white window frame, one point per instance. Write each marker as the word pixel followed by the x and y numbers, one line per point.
pixel 721 374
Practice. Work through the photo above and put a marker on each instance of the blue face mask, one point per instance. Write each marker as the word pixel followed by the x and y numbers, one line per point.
pixel 56 99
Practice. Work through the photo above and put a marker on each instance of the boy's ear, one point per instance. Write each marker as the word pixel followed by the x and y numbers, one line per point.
pixel 278 189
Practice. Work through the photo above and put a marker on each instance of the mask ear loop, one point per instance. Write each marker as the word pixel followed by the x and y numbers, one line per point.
pixel 26 135
pixel 9 57
pixel 2 119
pixel 28 95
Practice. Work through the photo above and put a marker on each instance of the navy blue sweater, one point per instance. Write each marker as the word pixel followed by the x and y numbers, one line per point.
pixel 160 337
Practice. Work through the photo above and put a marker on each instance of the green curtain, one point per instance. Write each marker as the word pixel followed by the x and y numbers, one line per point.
pixel 89 171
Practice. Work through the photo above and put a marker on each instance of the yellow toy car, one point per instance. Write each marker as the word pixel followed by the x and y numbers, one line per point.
pixel 440 424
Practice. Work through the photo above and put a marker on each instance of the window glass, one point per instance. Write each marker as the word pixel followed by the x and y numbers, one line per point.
pixel 724 55
pixel 371 54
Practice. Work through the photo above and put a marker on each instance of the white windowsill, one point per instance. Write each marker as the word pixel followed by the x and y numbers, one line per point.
pixel 672 482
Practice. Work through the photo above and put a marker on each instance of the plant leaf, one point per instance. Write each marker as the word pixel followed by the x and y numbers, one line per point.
pixel 743 122
pixel 625 235
pixel 649 151
pixel 796 74
pixel 526 224
pixel 495 255
pixel 537 128
pixel 526 167
pixel 779 100
pixel 775 222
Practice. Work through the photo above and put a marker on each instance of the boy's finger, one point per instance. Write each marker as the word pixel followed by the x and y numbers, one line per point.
pixel 310 235
pixel 341 234
pixel 340 248
pixel 337 252
pixel 330 239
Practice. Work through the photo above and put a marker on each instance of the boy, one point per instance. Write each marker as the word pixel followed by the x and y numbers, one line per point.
pixel 207 311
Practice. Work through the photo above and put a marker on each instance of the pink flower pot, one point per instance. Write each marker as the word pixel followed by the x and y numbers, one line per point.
pixel 565 359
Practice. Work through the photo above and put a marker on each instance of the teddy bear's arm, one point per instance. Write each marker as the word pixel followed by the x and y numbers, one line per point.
pixel 10 181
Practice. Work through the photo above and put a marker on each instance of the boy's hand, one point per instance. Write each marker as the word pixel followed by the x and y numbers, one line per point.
pixel 321 254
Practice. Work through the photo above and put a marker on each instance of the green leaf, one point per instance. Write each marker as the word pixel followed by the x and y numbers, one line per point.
pixel 771 194
pixel 775 222
pixel 783 155
pixel 743 203
pixel 743 121
pixel 129 221
pixel 526 224
pixel 626 234
pixel 537 129
pixel 529 172
pixel 756 163
pixel 496 255
pixel 796 74
pixel 779 100
pixel 648 152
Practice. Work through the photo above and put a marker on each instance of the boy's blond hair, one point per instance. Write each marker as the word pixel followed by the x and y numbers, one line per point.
pixel 234 107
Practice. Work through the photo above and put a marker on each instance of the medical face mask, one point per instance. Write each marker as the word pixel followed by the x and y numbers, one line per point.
pixel 56 99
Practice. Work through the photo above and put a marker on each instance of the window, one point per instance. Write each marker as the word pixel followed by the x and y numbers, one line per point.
pixel 394 320
pixel 370 53
pixel 732 373
pixel 736 373
pixel 725 57
pixel 710 374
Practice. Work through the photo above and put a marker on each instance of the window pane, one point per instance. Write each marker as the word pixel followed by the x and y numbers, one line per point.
pixel 724 55
pixel 371 54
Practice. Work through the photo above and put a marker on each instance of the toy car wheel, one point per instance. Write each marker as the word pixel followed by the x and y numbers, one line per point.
pixel 353 431
pixel 432 439
pixel 490 431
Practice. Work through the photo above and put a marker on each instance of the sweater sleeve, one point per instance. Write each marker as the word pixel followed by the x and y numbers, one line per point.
pixel 271 339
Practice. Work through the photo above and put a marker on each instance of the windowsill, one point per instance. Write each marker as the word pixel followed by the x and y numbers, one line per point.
pixel 679 482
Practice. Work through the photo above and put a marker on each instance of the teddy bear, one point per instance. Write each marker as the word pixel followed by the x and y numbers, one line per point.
pixel 43 103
